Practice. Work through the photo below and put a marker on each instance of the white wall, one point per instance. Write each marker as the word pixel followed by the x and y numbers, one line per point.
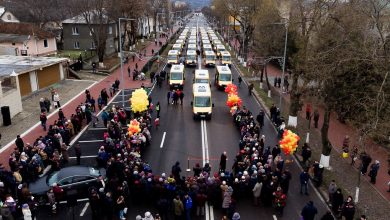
pixel 12 99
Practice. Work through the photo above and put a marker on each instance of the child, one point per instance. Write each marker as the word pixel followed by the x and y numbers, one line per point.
pixel 157 123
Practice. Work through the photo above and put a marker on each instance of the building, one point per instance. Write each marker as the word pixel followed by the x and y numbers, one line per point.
pixel 7 16
pixel 26 39
pixel 34 73
pixel 77 35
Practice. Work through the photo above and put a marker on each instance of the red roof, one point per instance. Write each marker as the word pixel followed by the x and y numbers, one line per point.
pixel 24 29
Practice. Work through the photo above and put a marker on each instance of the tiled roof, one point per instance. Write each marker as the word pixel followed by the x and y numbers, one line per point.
pixel 24 29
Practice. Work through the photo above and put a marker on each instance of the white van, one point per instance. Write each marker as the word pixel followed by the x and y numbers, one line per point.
pixel 223 76
pixel 220 48
pixel 173 57
pixel 191 58
pixel 177 47
pixel 191 47
pixel 176 77
pixel 226 58
pixel 209 58
pixel 201 101
pixel 202 76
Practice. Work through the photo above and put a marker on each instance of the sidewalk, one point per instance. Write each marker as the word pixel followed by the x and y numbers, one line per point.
pixel 35 131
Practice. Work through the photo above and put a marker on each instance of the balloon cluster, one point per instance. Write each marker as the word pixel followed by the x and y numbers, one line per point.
pixel 289 142
pixel 139 100
pixel 134 127
pixel 233 99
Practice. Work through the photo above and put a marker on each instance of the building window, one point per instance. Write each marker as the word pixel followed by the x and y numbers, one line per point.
pixel 93 46
pixel 45 43
pixel 75 31
pixel 76 45
pixel 109 30
pixel 9 17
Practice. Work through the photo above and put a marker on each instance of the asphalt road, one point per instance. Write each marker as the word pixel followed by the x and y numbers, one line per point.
pixel 180 138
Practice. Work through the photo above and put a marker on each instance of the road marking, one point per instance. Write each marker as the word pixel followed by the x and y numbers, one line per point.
pixel 207 211
pixel 84 209
pixel 97 128
pixel 211 213
pixel 274 216
pixel 91 141
pixel 206 143
pixel 163 139
pixel 203 152
pixel 83 157
pixel 65 202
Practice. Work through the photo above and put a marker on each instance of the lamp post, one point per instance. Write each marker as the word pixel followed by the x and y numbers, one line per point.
pixel 284 64
pixel 121 56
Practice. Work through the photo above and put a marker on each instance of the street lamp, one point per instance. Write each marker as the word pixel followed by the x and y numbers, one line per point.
pixel 121 56
pixel 284 64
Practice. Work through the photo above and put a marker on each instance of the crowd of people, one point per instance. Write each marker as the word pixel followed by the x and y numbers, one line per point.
pixel 29 160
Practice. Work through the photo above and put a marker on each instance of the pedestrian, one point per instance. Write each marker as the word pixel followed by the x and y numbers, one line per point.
pixel 128 71
pixel 93 67
pixel 42 104
pixel 56 99
pixel 158 109
pixel 306 153
pixel 155 41
pixel 157 123
pixel 178 208
pixel 346 142
pixel 316 116
pixel 47 104
pixel 19 143
pixel 363 217
pixel 152 52
pixel 176 170
pixel 374 171
pixel 120 204
pixel 43 120
pixel 188 206
pixel 236 216
pixel 197 170
pixel 105 117
pixel 309 211
pixel 366 160
pixel 337 202
pixel 136 66
pixel 100 102
pixel 133 58
pixel 279 82
pixel 260 118
pixel 257 192
pixel 239 81
pixel 77 150
pixel 275 81
pixel 285 84
pixel 279 200
pixel 222 162
pixel 354 154
pixel 64 153
pixel 273 112
pixel 304 180
pixel 250 88
pixel 308 111
pixel 200 201
pixel 348 209
pixel 169 96
pixel 327 216
pixel 181 97
pixel 152 75
pixel 331 190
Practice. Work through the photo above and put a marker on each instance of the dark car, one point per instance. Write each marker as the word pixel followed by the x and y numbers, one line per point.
pixel 78 178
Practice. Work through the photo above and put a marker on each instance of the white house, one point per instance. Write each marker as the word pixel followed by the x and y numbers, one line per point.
pixel 7 16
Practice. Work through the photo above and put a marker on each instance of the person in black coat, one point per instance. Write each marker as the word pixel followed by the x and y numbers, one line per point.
pixel 19 143
pixel 309 211
pixel 366 160
pixel 260 118
pixel 337 201
pixel 222 162
pixel 327 216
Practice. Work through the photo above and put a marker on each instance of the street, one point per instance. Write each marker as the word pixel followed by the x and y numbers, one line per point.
pixel 180 138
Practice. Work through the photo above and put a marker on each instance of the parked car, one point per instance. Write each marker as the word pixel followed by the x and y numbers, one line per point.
pixel 79 178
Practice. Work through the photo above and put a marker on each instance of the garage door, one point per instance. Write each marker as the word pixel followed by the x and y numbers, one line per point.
pixel 24 83
pixel 48 76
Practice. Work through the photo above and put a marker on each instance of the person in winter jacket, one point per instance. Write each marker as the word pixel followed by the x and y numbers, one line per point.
pixel 188 206
pixel 256 192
